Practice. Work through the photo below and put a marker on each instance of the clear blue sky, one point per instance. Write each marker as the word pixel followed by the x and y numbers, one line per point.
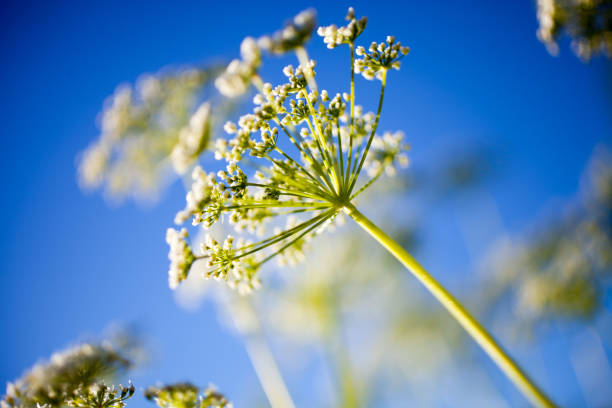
pixel 70 264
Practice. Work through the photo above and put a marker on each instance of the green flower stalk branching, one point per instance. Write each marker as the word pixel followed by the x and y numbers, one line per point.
pixel 310 155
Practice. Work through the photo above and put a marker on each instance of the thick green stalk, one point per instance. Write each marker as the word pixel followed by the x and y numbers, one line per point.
pixel 463 317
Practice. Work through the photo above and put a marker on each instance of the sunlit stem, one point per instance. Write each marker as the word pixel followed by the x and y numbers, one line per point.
pixel 322 143
pixel 351 135
pixel 262 359
pixel 308 153
pixel 257 82
pixel 315 185
pixel 456 309
pixel 302 56
pixel 339 356
pixel 287 191
pixel 364 154
pixel 323 218
pixel 282 236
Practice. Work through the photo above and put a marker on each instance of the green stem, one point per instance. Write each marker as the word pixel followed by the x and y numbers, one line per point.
pixel 463 317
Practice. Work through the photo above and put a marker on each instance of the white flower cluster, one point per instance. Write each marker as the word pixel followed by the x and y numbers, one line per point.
pixel 334 36
pixel 237 77
pixel 329 142
pixel 240 73
pixel 180 255
pixel 142 127
pixel 101 395
pixel 379 58
pixel 387 153
pixel 292 36
pixel 56 382
pixel 193 139
pixel 186 395
pixel 224 263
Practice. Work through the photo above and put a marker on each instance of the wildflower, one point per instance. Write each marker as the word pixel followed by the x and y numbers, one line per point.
pixel 387 153
pixel 308 183
pixel 237 77
pixel 101 395
pixel 379 58
pixel 293 35
pixel 186 395
pixel 180 256
pixel 193 139
pixel 334 36
pixel 73 371
pixel 144 125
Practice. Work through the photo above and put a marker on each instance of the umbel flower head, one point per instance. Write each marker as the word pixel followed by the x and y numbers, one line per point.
pixel 186 395
pixel 101 396
pixel 299 155
pixel 69 377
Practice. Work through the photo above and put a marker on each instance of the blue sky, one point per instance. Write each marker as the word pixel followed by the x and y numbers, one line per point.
pixel 70 263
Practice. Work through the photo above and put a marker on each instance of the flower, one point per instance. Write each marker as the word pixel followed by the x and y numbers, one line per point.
pixel 101 395
pixel 293 35
pixel 334 36
pixel 144 125
pixel 193 139
pixel 379 58
pixel 180 256
pixel 67 376
pixel 186 395
pixel 308 179
pixel 237 77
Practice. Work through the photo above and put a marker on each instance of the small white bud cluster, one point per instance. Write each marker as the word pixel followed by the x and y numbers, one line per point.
pixel 180 255
pixel 225 264
pixel 334 36
pixel 201 193
pixel 379 58
pixel 193 139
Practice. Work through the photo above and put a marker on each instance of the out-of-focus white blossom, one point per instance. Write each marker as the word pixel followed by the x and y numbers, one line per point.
pixel 146 126
pixel 193 139
pixel 66 377
pixel 586 21
pixel 238 75
pixel 293 35
pixel 180 255
pixel 388 152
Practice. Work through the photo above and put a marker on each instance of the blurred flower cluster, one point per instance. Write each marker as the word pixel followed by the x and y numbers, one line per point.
pixel 587 22
pixel 79 377
pixel 564 268
pixel 150 130
pixel 73 377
